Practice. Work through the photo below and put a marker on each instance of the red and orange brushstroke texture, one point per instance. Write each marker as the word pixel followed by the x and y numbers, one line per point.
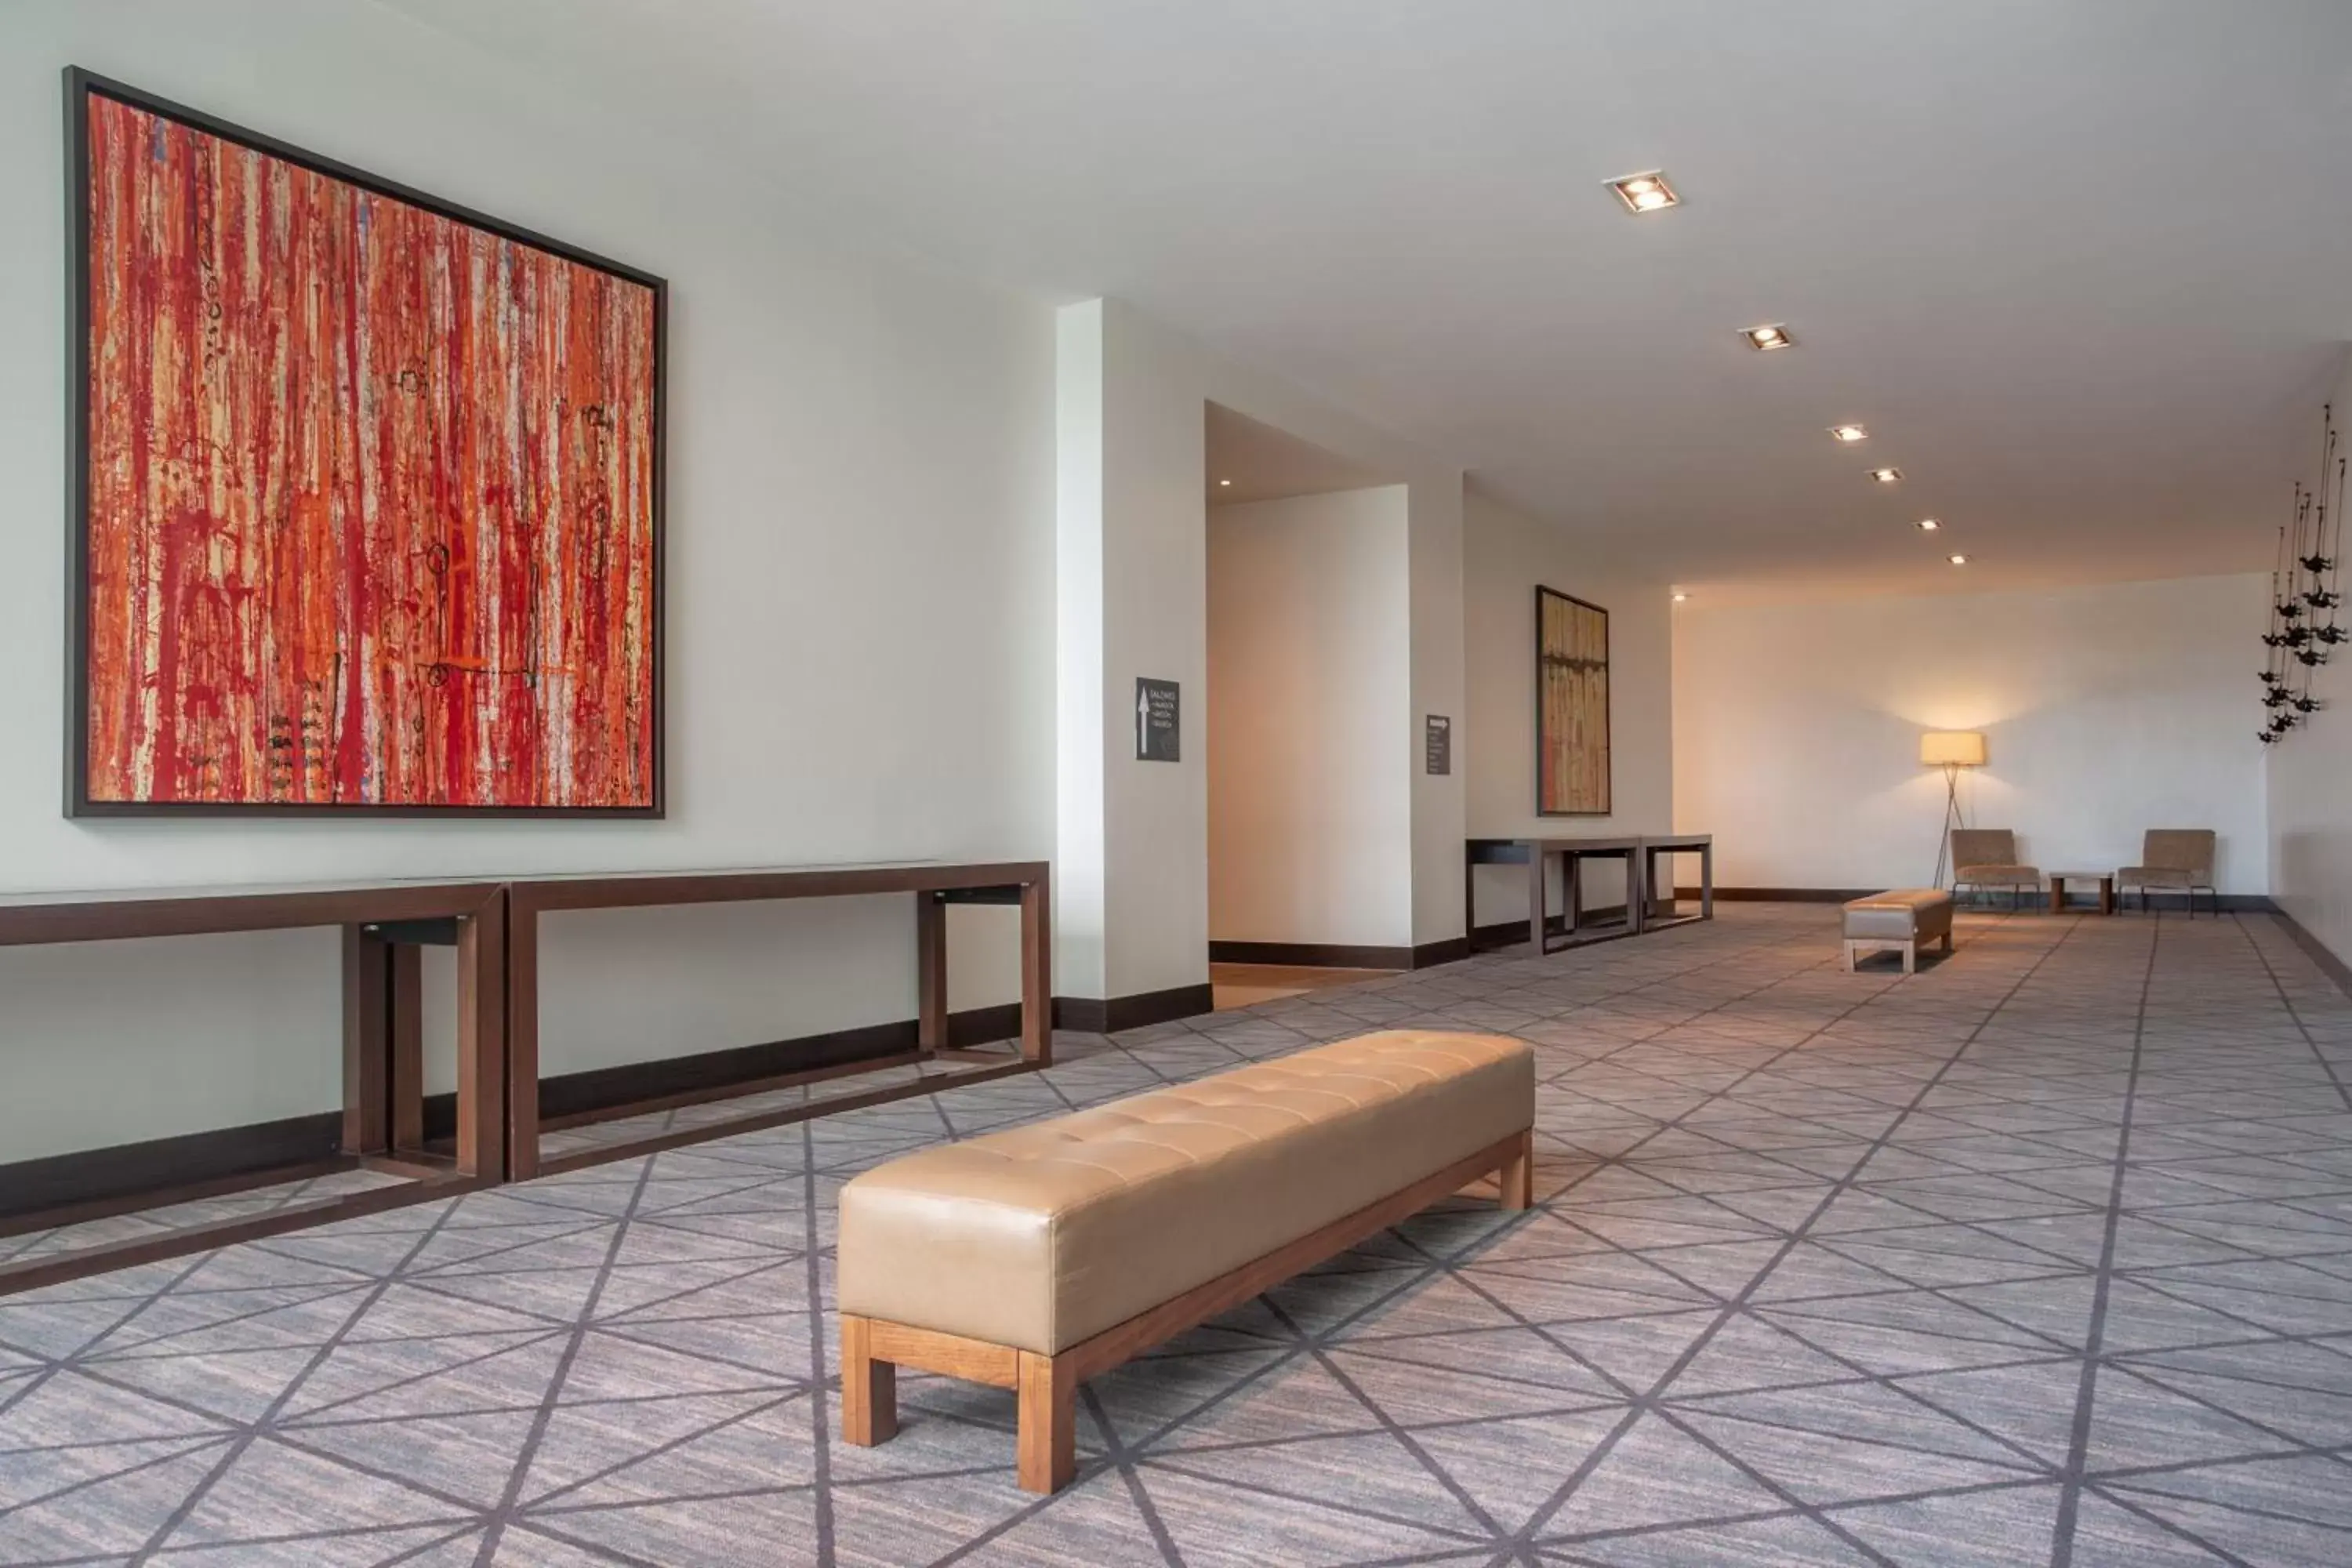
pixel 371 511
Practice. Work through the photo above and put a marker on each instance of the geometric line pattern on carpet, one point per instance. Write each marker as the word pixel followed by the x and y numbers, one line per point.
pixel 2044 1255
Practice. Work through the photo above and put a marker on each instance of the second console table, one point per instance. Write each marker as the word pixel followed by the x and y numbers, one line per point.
pixel 932 887
pixel 1638 853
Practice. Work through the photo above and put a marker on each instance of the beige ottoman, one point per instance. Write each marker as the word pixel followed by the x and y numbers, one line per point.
pixel 1037 1257
pixel 1901 919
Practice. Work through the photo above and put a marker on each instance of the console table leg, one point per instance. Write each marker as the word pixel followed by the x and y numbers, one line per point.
pixel 405 1059
pixel 367 1029
pixel 483 1087
pixel 1536 858
pixel 1036 973
pixel 1469 903
pixel 931 973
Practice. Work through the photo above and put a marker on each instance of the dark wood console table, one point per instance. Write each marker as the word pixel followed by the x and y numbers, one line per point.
pixel 1655 845
pixel 1535 854
pixel 933 886
pixel 383 927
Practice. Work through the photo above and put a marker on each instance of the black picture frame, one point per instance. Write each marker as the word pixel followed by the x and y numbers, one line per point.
pixel 1608 707
pixel 80 86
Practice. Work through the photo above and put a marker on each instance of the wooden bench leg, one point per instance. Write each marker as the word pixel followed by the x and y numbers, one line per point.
pixel 1516 1177
pixel 1049 1419
pixel 869 1389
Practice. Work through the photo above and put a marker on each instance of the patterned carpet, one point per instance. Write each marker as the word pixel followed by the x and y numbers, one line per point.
pixel 2044 1256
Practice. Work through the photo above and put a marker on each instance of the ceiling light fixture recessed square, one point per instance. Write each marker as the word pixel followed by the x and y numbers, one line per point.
pixel 1772 335
pixel 1849 434
pixel 1959 560
pixel 1645 192
pixel 1681 597
pixel 1930 524
pixel 1887 476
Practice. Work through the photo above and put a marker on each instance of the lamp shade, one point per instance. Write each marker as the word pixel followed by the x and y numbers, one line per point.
pixel 1952 748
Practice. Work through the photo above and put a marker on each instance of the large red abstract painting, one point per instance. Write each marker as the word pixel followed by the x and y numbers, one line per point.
pixel 369 513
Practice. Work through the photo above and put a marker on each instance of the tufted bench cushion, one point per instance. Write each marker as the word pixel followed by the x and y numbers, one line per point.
pixel 1045 1236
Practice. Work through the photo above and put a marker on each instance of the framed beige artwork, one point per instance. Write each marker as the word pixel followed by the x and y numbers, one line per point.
pixel 1571 706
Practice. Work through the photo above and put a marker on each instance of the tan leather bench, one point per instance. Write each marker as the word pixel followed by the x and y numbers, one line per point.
pixel 1901 919
pixel 1035 1259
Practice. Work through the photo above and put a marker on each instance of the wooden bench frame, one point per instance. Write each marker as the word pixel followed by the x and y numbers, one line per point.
pixel 872 1350
pixel 1907 946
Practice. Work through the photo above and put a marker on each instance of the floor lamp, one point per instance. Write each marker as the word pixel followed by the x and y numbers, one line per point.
pixel 1950 749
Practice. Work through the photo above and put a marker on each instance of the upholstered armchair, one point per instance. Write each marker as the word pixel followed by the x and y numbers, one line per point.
pixel 2175 859
pixel 1986 858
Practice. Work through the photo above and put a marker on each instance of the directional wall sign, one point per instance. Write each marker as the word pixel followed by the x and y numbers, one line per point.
pixel 1437 741
pixel 1156 718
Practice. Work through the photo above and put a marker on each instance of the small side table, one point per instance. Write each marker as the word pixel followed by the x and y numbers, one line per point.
pixel 2107 880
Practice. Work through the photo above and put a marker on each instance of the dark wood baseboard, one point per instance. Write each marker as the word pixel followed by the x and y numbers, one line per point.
pixel 1311 954
pixel 2318 951
pixel 1099 1015
pixel 1502 933
pixel 90 1184
pixel 1452 950
pixel 89 1179
pixel 962 1073
pixel 2232 903
pixel 1784 895
pixel 1335 955
pixel 60 1267
pixel 600 1092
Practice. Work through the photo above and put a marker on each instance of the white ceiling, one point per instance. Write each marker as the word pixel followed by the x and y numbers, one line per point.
pixel 2084 266
pixel 1250 461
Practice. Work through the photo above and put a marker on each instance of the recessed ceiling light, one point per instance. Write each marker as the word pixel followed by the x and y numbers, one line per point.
pixel 1772 335
pixel 1680 597
pixel 1848 433
pixel 1224 483
pixel 1929 524
pixel 1959 560
pixel 1886 475
pixel 1645 192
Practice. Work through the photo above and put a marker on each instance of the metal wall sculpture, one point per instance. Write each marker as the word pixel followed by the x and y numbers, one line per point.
pixel 2306 594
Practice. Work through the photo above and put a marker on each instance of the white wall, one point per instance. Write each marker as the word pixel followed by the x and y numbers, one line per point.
pixel 1504 556
pixel 859 580
pixel 1310 727
pixel 1131 600
pixel 2107 711
pixel 2310 795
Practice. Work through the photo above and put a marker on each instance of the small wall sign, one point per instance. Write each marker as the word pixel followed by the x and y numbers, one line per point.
pixel 1437 741
pixel 1156 720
